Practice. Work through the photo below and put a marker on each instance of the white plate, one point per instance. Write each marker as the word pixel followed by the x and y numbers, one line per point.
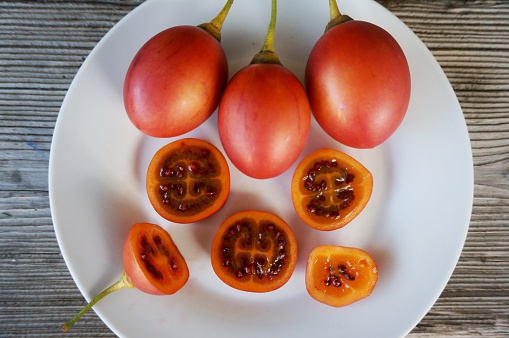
pixel 415 224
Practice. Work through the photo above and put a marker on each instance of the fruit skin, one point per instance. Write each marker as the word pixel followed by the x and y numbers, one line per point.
pixel 253 283
pixel 172 279
pixel 154 180
pixel 358 83
pixel 362 186
pixel 175 81
pixel 357 262
pixel 264 120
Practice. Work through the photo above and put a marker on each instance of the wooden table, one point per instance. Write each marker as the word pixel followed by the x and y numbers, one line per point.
pixel 42 45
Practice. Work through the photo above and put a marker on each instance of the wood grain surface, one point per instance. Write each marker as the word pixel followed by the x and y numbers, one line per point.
pixel 42 45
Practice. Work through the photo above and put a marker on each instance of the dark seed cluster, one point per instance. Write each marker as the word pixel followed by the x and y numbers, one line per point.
pixel 148 251
pixel 191 162
pixel 197 169
pixel 314 207
pixel 347 197
pixel 310 183
pixel 338 186
pixel 269 241
pixel 337 279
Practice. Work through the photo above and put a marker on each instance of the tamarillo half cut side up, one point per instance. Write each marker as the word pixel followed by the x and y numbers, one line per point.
pixel 330 188
pixel 152 263
pixel 188 180
pixel 339 276
pixel 254 251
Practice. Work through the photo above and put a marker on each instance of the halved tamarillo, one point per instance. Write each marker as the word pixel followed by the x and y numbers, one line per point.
pixel 152 261
pixel 254 251
pixel 339 276
pixel 188 180
pixel 330 188
pixel 152 264
pixel 175 81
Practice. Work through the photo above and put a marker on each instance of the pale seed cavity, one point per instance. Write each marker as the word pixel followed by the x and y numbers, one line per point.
pixel 188 177
pixel 339 188
pixel 244 236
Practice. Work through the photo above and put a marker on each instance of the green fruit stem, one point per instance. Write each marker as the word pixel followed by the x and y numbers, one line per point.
pixel 214 27
pixel 267 54
pixel 335 15
pixel 123 282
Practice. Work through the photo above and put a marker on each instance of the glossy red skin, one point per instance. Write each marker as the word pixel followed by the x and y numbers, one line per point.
pixel 358 84
pixel 264 120
pixel 135 273
pixel 175 81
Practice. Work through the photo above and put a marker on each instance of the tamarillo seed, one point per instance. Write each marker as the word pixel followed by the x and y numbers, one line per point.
pixel 193 166
pixel 349 276
pixel 343 195
pixel 281 245
pixel 349 178
pixel 166 172
pixel 204 152
pixel 157 240
pixel 328 281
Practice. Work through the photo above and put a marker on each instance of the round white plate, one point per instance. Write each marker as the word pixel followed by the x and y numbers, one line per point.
pixel 414 225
